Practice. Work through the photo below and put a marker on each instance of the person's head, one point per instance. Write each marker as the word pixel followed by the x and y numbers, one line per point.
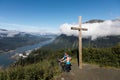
pixel 66 54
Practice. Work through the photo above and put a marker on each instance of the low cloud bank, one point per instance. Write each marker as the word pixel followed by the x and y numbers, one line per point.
pixel 8 33
pixel 95 30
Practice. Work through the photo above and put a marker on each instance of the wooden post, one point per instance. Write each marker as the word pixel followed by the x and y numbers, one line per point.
pixel 80 44
pixel 80 40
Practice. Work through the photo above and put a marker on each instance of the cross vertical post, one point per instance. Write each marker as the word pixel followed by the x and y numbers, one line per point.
pixel 80 44
pixel 80 40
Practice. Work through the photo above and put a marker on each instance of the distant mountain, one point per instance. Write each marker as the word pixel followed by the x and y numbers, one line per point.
pixel 10 33
pixel 3 30
pixel 99 21
pixel 94 21
pixel 68 42
pixel 10 40
pixel 62 41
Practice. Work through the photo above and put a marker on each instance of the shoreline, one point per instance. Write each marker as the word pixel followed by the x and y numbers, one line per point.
pixel 8 57
pixel 12 50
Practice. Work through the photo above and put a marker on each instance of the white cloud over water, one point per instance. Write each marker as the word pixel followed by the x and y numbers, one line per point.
pixel 19 27
pixel 27 28
pixel 94 29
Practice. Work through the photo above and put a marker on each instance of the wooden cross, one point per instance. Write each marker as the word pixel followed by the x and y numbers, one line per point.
pixel 80 40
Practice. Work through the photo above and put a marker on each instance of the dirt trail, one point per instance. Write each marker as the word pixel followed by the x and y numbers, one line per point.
pixel 90 72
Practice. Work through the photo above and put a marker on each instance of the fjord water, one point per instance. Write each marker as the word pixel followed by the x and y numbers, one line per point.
pixel 6 60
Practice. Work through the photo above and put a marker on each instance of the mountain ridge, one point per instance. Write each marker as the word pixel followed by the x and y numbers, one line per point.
pixel 10 40
pixel 94 21
pixel 65 42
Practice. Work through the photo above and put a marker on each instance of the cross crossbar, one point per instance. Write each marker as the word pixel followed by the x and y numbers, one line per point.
pixel 77 28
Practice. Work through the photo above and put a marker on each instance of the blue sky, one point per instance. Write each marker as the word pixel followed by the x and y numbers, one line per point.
pixel 48 15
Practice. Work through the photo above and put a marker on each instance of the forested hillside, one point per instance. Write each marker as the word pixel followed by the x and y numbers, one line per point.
pixel 42 63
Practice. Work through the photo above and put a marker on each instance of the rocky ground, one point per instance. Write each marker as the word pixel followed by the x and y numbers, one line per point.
pixel 90 72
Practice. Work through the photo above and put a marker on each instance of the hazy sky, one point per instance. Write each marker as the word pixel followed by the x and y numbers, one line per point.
pixel 49 15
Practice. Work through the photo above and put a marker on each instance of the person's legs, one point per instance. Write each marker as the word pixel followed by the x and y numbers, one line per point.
pixel 68 68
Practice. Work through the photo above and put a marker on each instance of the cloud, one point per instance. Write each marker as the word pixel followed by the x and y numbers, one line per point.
pixel 18 27
pixel 8 33
pixel 25 28
pixel 95 30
